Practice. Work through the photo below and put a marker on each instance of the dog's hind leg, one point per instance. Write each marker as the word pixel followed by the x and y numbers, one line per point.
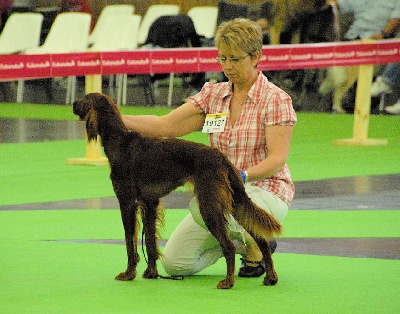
pixel 271 277
pixel 128 207
pixel 215 200
pixel 350 77
pixel 149 218
pixel 219 230
pixel 275 32
pixel 261 226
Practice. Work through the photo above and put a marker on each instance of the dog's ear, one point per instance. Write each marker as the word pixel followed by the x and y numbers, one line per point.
pixel 91 126
pixel 84 108
pixel 89 102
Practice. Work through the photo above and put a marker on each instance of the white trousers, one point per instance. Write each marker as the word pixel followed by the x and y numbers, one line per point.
pixel 192 248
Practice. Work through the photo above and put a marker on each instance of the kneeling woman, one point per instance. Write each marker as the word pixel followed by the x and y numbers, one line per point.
pixel 256 120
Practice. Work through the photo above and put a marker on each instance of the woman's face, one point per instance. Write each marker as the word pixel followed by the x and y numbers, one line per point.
pixel 238 65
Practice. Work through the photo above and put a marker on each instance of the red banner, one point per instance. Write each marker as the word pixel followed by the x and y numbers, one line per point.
pixel 186 60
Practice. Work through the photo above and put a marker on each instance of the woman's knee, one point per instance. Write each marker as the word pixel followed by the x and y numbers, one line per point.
pixel 168 265
pixel 268 201
pixel 195 211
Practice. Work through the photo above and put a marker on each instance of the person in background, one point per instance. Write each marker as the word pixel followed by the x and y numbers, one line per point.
pixel 386 83
pixel 371 18
pixel 257 120
pixel 376 20
pixel 264 24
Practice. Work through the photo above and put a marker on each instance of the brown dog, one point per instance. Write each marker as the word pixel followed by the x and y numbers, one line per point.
pixel 338 81
pixel 144 169
pixel 287 16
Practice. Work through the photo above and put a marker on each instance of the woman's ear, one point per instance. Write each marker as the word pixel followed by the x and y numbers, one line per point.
pixel 255 58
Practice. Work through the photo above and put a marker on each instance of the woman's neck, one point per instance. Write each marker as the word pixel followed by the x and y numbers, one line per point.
pixel 245 87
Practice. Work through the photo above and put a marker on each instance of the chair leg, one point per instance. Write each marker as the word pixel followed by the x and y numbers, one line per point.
pixel 148 90
pixel 111 81
pixel 48 83
pixel 20 91
pixel 124 88
pixel 119 83
pixel 71 90
pixel 68 95
pixel 170 89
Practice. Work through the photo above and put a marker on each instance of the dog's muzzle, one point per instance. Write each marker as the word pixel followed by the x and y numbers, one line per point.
pixel 79 109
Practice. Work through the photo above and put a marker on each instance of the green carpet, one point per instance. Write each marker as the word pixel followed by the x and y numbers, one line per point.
pixel 40 275
pixel 44 271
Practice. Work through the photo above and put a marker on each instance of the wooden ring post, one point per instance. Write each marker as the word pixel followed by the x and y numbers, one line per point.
pixel 93 149
pixel 362 111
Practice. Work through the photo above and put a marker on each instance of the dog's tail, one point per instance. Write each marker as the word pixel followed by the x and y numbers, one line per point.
pixel 249 215
pixel 252 217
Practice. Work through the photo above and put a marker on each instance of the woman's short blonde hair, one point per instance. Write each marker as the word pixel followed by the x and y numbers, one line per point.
pixel 240 33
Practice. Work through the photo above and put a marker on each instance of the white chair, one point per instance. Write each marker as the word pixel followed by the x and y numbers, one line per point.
pixel 21 31
pixel 152 13
pixel 120 33
pixel 68 33
pixel 204 19
pixel 109 10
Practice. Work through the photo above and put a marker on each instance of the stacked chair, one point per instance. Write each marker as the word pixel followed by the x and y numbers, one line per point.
pixel 68 33
pixel 118 34
pixel 117 29
pixel 21 32
pixel 205 20
pixel 102 24
pixel 152 14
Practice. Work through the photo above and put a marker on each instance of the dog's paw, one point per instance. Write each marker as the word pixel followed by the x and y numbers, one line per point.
pixel 126 276
pixel 225 284
pixel 338 109
pixel 270 281
pixel 150 273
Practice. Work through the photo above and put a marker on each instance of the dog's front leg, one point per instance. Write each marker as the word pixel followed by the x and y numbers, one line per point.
pixel 150 216
pixel 128 214
pixel 275 32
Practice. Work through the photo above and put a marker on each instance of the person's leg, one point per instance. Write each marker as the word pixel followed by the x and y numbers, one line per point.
pixel 253 264
pixel 394 109
pixel 268 201
pixel 391 74
pixel 387 81
pixel 192 248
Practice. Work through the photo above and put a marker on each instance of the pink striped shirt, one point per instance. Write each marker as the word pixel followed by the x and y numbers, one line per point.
pixel 245 143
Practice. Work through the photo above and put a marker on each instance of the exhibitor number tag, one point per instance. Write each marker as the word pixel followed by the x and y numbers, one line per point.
pixel 215 123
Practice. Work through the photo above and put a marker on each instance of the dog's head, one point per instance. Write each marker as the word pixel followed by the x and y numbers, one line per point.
pixel 81 108
pixel 84 109
pixel 91 108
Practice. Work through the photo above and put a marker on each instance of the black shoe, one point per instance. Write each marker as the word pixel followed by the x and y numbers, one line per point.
pixel 273 245
pixel 251 271
pixel 258 270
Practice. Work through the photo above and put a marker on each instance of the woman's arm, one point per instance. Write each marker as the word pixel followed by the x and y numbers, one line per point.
pixel 389 30
pixel 278 140
pixel 180 121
